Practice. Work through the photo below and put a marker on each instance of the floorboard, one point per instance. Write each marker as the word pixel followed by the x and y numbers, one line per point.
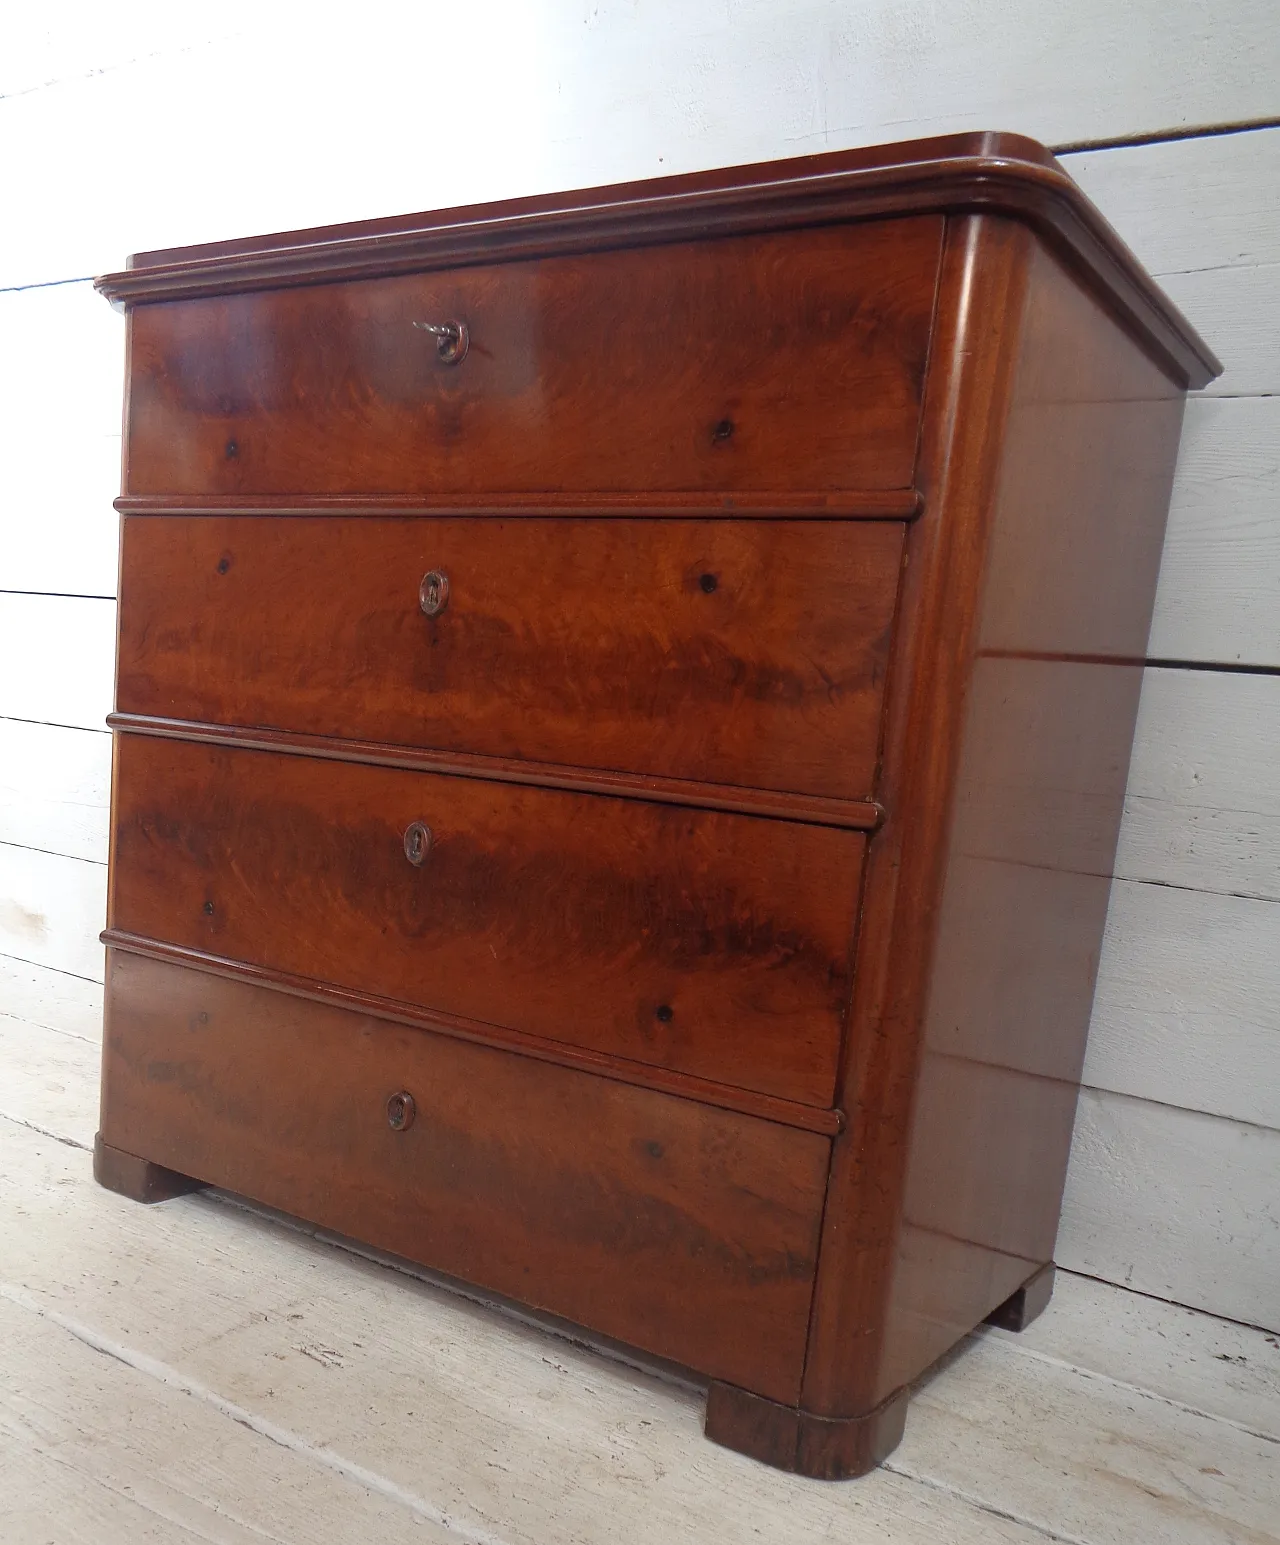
pixel 201 1371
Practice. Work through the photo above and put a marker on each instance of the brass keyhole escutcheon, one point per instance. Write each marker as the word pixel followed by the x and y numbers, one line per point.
pixel 433 593
pixel 401 1109
pixel 452 339
pixel 417 843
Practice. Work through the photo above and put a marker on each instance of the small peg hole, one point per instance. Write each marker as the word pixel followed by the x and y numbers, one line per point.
pixel 709 584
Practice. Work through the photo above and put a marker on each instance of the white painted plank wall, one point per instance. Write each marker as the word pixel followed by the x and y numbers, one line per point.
pixel 1185 1047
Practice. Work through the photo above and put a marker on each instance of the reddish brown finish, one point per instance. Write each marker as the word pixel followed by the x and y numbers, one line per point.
pixel 138 1179
pixel 548 933
pixel 710 944
pixel 687 1231
pixel 748 652
pixel 822 1447
pixel 1002 173
pixel 856 814
pixel 1027 1304
pixel 1047 465
pixel 834 504
pixel 770 365
pixel 810 1118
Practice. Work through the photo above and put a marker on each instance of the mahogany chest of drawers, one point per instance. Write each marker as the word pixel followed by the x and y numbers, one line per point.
pixel 623 707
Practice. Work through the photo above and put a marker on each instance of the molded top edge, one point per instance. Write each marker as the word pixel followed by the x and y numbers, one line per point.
pixel 1005 174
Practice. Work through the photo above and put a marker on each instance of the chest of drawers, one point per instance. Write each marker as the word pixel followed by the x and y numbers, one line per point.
pixel 623 707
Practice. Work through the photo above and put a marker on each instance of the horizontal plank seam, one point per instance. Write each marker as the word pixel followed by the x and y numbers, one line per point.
pixel 59 595
pixel 1160 1298
pixel 1167 136
pixel 1129 661
pixel 1213 667
pixel 42 284
pixel 1186 804
pixel 918 1478
pixel 56 1137
pixel 1013 1348
pixel 1208 396
pixel 56 724
pixel 39 1024
pixel 21 960
pixel 1188 1110
pixel 1215 268
pixel 1122 879
pixel 1196 890
pixel 321 1456
pixel 22 847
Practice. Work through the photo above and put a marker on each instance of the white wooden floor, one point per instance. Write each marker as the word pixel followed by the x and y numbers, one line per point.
pixel 200 1372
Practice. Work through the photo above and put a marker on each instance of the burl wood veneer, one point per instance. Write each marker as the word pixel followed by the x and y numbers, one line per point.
pixel 623 708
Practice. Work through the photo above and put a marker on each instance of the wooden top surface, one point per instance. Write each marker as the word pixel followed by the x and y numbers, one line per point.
pixel 1004 173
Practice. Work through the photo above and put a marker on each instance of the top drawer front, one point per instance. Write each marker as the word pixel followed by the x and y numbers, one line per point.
pixel 787 362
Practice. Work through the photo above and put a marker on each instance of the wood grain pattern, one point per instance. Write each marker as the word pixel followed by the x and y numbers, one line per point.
pixel 973 1042
pixel 688 1232
pixel 772 365
pixel 858 814
pixel 646 1075
pixel 1005 173
pixel 983 285
pixel 701 942
pixel 746 653
pixel 692 504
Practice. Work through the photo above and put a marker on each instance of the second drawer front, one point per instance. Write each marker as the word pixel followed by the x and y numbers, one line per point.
pixel 738 652
pixel 702 942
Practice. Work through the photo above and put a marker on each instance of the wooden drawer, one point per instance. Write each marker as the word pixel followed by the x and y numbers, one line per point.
pixel 688 1231
pixel 739 652
pixel 787 362
pixel 693 940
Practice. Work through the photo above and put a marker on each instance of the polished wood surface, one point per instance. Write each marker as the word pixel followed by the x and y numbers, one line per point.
pixel 706 943
pixel 1055 510
pixel 1007 174
pixel 823 1447
pixel 687 1231
pixel 750 653
pixel 787 540
pixel 857 814
pixel 771 365
pixel 645 1075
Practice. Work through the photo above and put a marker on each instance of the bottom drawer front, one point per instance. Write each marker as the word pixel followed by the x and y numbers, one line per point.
pixel 688 1231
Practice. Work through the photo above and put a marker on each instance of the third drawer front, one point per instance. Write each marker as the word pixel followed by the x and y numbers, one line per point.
pixel 735 652
pixel 702 942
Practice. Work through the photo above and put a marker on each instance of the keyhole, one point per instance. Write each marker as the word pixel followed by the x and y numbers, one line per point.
pixel 433 593
pixel 417 843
